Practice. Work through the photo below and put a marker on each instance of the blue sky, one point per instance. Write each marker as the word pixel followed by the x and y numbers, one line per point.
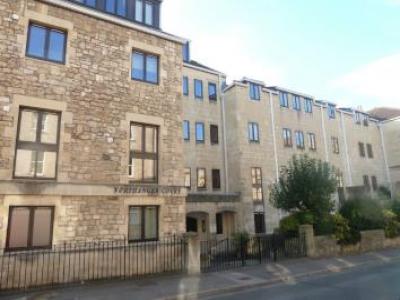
pixel 346 52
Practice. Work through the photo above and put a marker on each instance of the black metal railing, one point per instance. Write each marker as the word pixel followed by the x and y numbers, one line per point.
pixel 87 261
pixel 233 253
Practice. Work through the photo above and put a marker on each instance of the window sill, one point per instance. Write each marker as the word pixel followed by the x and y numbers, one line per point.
pixel 145 81
pixel 32 57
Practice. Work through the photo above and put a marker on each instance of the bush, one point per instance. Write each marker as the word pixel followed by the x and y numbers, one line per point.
pixel 363 214
pixel 394 206
pixel 290 224
pixel 343 232
pixel 324 225
pixel 392 225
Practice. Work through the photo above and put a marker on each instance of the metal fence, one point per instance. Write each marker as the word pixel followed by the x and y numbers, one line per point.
pixel 233 253
pixel 87 261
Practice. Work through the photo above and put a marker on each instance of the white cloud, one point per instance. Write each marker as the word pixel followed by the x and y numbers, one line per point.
pixel 377 83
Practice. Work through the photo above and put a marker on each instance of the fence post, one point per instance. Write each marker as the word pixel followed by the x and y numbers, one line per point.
pixel 306 232
pixel 193 254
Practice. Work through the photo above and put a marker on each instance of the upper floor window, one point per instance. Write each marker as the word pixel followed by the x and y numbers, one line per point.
pixel 30 227
pixel 256 182
pixel 374 182
pixel 366 120
pixel 313 142
pixel 186 52
pixel 144 12
pixel 186 130
pixel 214 134
pixel 187 178
pixel 46 43
pixel 254 91
pixel 296 103
pixel 300 139
pixel 145 67
pixel 116 7
pixel 370 151
pixel 361 149
pixel 331 111
pixel 308 105
pixel 37 144
pixel 185 85
pixel 212 91
pixel 91 3
pixel 216 179
pixel 358 117
pixel 366 181
pixel 201 178
pixel 198 89
pixel 143 153
pixel 284 99
pixel 287 137
pixel 200 132
pixel 335 145
pixel 253 131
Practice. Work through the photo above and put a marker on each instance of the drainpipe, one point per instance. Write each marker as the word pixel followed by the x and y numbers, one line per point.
pixel 224 136
pixel 274 136
pixel 385 158
pixel 324 134
pixel 346 148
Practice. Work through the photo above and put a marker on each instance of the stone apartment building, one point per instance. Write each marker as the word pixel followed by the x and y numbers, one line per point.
pixel 110 131
pixel 90 122
pixel 391 129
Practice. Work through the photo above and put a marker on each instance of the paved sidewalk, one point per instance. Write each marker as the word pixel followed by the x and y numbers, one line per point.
pixel 194 287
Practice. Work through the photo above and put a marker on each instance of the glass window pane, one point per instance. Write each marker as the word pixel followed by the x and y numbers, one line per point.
pixel 136 169
pixel 152 68
pixel 200 132
pixel 49 128
pixel 28 126
pixel 139 11
pixel 42 229
pixel 110 6
pixel 185 86
pixel 138 66
pixel 91 3
pixel 25 163
pixel 135 224
pixel 201 178
pixel 136 138
pixel 46 164
pixel 151 140
pixel 121 8
pixel 149 169
pixel 150 228
pixel 56 46
pixel 37 41
pixel 149 14
pixel 19 228
pixel 187 174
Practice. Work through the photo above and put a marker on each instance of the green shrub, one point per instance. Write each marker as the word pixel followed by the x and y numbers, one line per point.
pixel 392 225
pixel 324 225
pixel 343 232
pixel 363 214
pixel 394 206
pixel 290 224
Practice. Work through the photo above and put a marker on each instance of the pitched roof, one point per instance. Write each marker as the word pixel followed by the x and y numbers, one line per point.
pixel 385 113
pixel 199 65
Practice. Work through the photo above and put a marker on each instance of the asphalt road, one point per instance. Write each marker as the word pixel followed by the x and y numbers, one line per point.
pixel 375 282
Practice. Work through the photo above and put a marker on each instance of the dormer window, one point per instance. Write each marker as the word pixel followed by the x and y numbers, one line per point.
pixel 254 92
pixel 331 111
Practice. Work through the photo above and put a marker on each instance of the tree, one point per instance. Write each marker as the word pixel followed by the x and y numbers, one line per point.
pixel 306 186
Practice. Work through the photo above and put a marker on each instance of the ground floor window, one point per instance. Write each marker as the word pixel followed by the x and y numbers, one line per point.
pixel 220 223
pixel 143 223
pixel 259 223
pixel 191 224
pixel 30 227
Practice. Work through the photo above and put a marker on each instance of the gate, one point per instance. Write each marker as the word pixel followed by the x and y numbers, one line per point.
pixel 231 253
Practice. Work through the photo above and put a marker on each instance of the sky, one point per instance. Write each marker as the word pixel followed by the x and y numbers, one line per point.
pixel 343 51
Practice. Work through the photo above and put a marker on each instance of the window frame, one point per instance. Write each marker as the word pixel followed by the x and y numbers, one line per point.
pixel 143 221
pixel 219 223
pixel 296 102
pixel 361 150
pixel 312 141
pixel 251 132
pixel 190 178
pixel 48 29
pixel 145 155
pixel 37 146
pixel 32 209
pixel 198 177
pixel 186 123
pixel 145 55
pixel 212 98
pixel 331 111
pixel 185 86
pixel 370 151
pixel 308 105
pixel 199 97
pixel 284 99
pixel 300 138
pixel 366 182
pixel 257 185
pixel 214 139
pixel 287 140
pixel 216 180
pixel 259 216
pixel 374 183
pixel 335 145
pixel 204 133
pixel 254 91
